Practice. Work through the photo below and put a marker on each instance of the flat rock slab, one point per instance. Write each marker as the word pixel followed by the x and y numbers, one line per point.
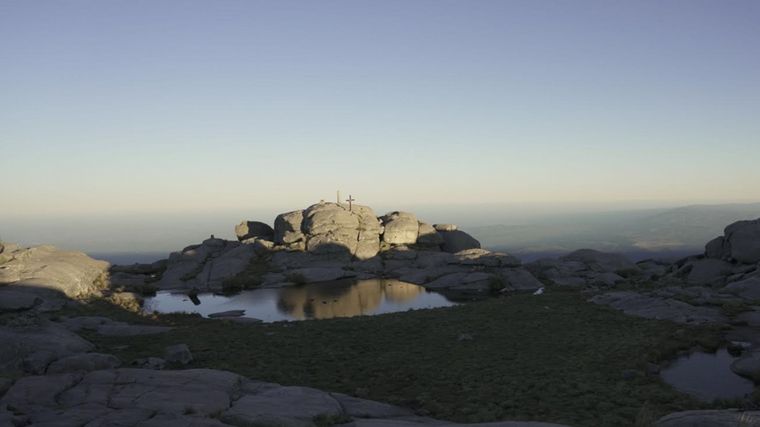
pixel 710 418
pixel 230 313
pixel 85 362
pixel 635 304
pixel 109 327
pixel 32 348
pixel 118 329
pixel 282 406
pixel 194 398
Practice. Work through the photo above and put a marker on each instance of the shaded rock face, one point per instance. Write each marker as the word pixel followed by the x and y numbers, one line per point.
pixel 208 265
pixel 73 273
pixel 428 236
pixel 287 228
pixel 457 241
pixel 250 229
pixel 740 243
pixel 31 349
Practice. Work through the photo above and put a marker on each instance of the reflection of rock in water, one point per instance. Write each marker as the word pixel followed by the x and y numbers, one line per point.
pixel 401 291
pixel 343 299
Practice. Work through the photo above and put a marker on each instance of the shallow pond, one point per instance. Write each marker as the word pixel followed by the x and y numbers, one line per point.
pixel 707 376
pixel 344 298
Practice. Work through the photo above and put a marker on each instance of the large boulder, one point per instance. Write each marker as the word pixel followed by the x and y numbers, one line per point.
pixel 717 248
pixel 743 241
pixel 287 228
pixel 72 273
pixel 401 228
pixel 428 236
pixel 708 271
pixel 330 228
pixel 456 241
pixel 206 265
pixel 748 289
pixel 369 232
pixel 334 229
pixel 250 229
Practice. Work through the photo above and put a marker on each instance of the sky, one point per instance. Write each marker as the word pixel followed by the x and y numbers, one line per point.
pixel 154 111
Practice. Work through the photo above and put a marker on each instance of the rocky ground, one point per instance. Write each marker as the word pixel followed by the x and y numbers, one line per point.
pixel 51 376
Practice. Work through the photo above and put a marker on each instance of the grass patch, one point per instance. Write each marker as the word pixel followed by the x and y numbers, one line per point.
pixel 552 358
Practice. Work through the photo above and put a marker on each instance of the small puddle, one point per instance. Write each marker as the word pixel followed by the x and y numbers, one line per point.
pixel 707 376
pixel 343 298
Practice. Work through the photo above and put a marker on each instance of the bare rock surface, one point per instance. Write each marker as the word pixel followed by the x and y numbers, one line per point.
pixel 457 241
pixel 601 261
pixel 108 327
pixel 250 229
pixel 740 242
pixel 206 266
pixel 74 274
pixel 194 397
pixel 84 362
pixel 710 418
pixel 15 300
pixel 748 289
pixel 401 228
pixel 652 307
pixel 32 348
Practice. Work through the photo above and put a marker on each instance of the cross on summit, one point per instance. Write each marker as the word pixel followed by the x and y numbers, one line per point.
pixel 350 200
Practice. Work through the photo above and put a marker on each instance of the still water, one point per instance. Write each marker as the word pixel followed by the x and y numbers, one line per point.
pixel 314 301
pixel 707 376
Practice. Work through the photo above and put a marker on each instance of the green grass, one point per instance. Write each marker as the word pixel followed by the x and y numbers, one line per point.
pixel 549 358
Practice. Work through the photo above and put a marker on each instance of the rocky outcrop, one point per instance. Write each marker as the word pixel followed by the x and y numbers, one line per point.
pixel 206 266
pixel 251 229
pixel 428 236
pixel 652 307
pixel 73 274
pixel 740 243
pixel 585 267
pixel 287 228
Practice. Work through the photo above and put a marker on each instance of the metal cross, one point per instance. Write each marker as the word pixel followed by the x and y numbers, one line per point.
pixel 350 200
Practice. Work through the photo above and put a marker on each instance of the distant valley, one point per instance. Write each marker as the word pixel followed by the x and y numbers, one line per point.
pixel 640 234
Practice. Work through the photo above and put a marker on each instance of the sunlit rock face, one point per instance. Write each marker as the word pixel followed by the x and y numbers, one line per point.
pixel 401 228
pixel 72 273
pixel 330 228
pixel 344 300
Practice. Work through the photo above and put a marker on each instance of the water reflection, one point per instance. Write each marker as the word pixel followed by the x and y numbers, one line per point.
pixel 707 376
pixel 346 299
pixel 315 301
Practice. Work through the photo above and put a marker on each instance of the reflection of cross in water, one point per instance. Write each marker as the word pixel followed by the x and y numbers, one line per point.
pixel 350 200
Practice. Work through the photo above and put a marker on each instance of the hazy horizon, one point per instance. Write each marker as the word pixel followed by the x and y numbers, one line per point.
pixel 159 234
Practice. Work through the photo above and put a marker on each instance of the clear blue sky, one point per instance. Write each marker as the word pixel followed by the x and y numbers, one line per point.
pixel 192 106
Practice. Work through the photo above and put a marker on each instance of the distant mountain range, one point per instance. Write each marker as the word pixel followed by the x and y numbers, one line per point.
pixel 651 233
